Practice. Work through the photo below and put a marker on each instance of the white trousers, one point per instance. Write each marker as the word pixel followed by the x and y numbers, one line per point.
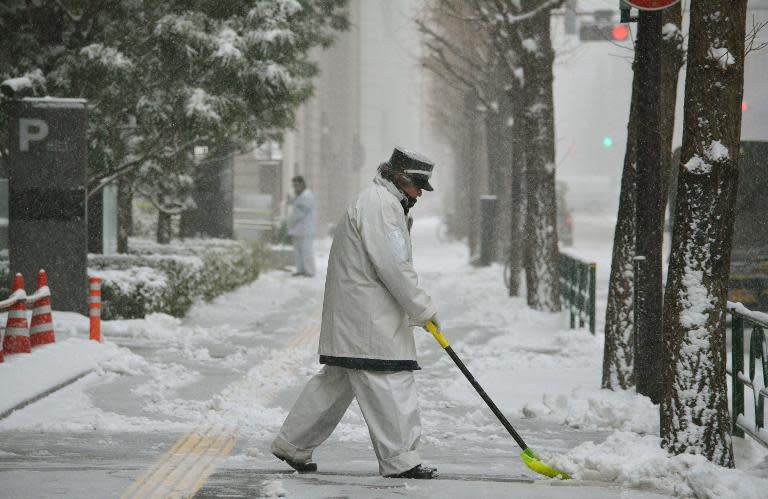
pixel 304 255
pixel 388 401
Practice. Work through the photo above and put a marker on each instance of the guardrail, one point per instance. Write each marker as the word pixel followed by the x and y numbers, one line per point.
pixel 758 349
pixel 577 290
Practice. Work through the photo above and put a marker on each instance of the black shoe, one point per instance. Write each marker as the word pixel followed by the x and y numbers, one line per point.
pixel 300 467
pixel 418 472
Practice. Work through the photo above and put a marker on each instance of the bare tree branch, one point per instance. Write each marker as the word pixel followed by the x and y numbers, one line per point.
pixel 751 37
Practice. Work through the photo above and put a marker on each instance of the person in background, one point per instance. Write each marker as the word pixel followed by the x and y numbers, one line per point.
pixel 301 227
pixel 372 301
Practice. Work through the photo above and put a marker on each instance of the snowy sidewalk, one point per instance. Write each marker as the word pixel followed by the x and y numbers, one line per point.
pixel 239 363
pixel 543 376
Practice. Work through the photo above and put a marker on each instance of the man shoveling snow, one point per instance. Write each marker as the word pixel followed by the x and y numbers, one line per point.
pixel 372 300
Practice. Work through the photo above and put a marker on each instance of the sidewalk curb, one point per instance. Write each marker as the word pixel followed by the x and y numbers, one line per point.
pixel 44 394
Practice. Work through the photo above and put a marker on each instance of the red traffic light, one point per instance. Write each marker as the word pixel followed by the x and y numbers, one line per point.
pixel 744 106
pixel 620 32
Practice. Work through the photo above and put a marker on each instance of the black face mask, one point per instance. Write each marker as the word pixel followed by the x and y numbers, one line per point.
pixel 408 203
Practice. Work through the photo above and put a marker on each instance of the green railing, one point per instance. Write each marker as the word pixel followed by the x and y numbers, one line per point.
pixel 577 290
pixel 742 317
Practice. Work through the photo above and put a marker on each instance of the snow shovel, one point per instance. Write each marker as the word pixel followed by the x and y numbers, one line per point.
pixel 529 457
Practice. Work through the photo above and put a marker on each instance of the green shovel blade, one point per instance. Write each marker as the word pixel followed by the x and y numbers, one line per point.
pixel 531 459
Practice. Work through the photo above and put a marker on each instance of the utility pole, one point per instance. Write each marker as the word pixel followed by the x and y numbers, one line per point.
pixel 650 207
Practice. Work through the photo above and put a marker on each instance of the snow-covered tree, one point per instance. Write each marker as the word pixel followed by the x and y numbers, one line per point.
pixel 541 249
pixel 694 410
pixel 492 63
pixel 619 351
pixel 163 76
pixel 460 52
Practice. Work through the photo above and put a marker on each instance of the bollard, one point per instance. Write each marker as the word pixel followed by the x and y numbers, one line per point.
pixel 94 307
pixel 487 229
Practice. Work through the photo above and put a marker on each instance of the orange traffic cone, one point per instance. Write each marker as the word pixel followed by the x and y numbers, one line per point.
pixel 17 329
pixel 41 329
pixel 94 307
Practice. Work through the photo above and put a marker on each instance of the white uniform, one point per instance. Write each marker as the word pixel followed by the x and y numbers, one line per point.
pixel 372 299
pixel 301 227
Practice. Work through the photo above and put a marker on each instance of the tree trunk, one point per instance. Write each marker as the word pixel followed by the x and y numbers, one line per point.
pixel 474 174
pixel 497 159
pixel 213 214
pixel 163 227
pixel 124 213
pixel 619 348
pixel 694 410
pixel 541 251
pixel 517 162
pixel 650 201
pixel 672 60
pixel 618 356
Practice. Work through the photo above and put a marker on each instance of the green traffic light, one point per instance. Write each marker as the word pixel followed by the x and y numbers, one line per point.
pixel 607 142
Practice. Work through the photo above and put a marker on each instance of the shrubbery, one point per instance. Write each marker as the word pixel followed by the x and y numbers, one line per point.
pixel 169 278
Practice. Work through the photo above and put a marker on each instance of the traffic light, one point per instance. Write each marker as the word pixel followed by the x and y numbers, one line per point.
pixel 607 142
pixel 602 27
pixel 620 32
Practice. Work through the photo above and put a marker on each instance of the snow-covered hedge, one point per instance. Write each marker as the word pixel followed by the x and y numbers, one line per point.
pixel 169 278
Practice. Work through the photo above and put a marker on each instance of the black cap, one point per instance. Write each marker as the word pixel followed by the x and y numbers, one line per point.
pixel 417 167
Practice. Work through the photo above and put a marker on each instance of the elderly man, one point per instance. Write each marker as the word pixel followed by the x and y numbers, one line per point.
pixel 372 301
pixel 301 227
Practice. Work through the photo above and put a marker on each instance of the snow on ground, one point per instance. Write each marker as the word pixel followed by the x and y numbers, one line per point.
pixel 26 376
pixel 240 361
pixel 535 367
pixel 638 461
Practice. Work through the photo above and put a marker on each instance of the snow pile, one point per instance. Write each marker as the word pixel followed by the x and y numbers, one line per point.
pixel 632 460
pixel 670 31
pixel 722 55
pixel 247 403
pixel 595 409
pixel 27 376
pixel 272 488
pixel 108 362
pixel 717 151
pixel 530 45
pixel 697 166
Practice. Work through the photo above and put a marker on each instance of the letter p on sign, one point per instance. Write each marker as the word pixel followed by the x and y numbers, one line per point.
pixel 31 130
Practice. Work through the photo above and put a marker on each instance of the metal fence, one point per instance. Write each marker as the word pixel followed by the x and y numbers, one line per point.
pixel 742 317
pixel 577 290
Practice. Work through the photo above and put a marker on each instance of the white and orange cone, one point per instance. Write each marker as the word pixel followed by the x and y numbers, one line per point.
pixel 94 307
pixel 16 328
pixel 41 327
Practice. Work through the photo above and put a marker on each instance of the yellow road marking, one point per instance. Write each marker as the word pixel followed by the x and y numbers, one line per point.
pixel 197 477
pixel 178 469
pixel 155 475
pixel 184 442
pixel 185 467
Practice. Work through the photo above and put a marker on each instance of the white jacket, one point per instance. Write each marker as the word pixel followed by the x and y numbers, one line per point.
pixel 301 221
pixel 372 297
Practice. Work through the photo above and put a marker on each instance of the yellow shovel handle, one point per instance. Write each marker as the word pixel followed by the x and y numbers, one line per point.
pixel 432 328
